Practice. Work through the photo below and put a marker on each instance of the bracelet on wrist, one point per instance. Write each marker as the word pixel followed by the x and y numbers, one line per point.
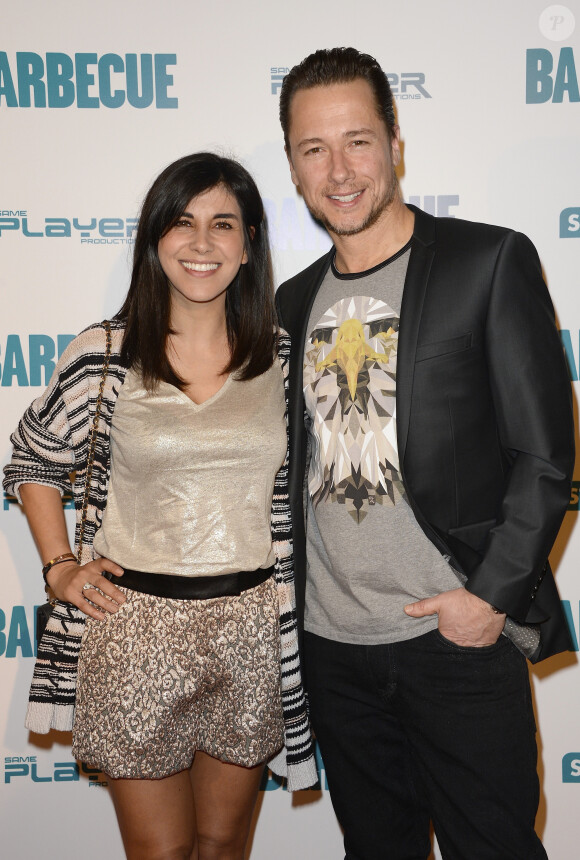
pixel 59 559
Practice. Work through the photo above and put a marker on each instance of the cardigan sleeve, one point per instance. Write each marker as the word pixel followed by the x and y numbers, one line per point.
pixel 43 450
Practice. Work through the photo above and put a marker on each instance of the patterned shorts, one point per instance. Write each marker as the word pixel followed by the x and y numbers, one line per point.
pixel 162 678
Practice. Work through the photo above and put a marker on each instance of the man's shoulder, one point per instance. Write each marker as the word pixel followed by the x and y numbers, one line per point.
pixel 459 231
pixel 293 296
pixel 475 229
pixel 304 278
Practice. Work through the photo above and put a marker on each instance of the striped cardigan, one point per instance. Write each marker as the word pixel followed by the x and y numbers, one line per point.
pixel 50 443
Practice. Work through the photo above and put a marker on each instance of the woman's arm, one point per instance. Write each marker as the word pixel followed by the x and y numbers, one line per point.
pixel 45 515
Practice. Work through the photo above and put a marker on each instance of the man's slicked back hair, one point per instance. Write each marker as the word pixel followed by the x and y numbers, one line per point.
pixel 337 66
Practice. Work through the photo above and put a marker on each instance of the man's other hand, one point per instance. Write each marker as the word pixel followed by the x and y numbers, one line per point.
pixel 464 618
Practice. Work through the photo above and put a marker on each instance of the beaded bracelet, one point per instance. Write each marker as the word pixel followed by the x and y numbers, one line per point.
pixel 66 556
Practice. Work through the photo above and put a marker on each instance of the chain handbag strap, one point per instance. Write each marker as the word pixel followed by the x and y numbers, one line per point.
pixel 93 437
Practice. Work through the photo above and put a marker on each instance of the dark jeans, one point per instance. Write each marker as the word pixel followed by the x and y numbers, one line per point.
pixel 427 730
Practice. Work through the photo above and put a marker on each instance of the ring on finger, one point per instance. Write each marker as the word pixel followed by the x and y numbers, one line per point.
pixel 87 585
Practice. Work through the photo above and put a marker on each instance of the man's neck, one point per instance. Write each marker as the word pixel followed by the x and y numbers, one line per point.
pixel 377 243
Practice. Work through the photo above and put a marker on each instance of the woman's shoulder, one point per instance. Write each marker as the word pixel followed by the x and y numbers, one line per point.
pixel 283 337
pixel 283 344
pixel 91 343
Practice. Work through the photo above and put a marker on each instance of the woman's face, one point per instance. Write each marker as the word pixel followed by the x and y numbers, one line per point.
pixel 203 252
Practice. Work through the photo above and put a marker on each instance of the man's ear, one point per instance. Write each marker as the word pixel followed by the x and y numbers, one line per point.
pixel 291 166
pixel 395 145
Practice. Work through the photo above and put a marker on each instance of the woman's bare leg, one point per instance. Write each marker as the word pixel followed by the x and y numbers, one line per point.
pixel 201 814
pixel 156 817
pixel 224 796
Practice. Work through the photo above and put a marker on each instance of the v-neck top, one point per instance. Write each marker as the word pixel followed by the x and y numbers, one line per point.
pixel 191 483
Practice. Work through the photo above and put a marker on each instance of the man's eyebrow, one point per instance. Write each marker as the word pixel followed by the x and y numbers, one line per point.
pixel 358 131
pixel 313 141
pixel 309 141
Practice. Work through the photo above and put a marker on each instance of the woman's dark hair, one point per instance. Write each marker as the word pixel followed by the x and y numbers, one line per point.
pixel 337 66
pixel 250 311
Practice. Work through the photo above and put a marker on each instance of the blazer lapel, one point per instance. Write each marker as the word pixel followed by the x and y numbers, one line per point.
pixel 422 253
pixel 296 316
pixel 298 324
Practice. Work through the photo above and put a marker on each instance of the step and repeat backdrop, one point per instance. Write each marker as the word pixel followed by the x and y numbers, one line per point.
pixel 95 99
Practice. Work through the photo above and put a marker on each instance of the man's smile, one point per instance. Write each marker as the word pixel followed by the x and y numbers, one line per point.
pixel 345 198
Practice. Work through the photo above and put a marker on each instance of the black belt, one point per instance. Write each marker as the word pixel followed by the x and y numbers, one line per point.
pixel 192 587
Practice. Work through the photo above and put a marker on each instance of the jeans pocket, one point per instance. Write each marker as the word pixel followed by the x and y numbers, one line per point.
pixel 502 641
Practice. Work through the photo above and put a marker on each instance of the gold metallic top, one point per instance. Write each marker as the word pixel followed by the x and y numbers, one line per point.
pixel 191 484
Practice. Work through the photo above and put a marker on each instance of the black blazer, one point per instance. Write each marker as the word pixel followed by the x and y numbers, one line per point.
pixel 484 413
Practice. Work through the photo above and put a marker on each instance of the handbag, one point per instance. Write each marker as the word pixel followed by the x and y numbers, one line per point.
pixel 44 611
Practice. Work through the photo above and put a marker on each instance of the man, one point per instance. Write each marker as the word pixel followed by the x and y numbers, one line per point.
pixel 438 453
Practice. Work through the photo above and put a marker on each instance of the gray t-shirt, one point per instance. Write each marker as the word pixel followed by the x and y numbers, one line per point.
pixel 367 555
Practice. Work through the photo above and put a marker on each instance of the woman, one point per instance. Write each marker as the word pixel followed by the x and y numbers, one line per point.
pixel 172 419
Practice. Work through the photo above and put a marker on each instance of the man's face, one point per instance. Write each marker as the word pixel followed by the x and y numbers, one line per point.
pixel 340 156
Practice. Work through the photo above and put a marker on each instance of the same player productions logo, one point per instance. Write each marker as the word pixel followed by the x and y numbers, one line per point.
pixel 87 80
pixel 30 361
pixel 404 85
pixel 408 85
pixel 277 75
pixel 570 223
pixel 551 74
pixel 571 767
pixel 574 496
pixel 37 769
pixel 89 230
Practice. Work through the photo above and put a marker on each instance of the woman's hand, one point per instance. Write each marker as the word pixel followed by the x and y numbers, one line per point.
pixel 86 585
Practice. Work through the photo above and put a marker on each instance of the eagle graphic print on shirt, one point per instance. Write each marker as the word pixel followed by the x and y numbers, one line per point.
pixel 349 389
